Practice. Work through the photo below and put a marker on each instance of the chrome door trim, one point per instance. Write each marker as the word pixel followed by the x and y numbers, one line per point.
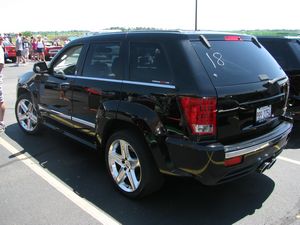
pixel 124 81
pixel 84 122
pixel 81 121
pixel 55 112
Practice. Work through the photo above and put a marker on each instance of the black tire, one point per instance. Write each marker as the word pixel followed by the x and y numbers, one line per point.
pixel 29 121
pixel 147 172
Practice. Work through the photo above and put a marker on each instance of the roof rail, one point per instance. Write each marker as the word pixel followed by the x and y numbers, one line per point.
pixel 163 31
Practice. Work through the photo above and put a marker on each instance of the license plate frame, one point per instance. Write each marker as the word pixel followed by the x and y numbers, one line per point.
pixel 263 113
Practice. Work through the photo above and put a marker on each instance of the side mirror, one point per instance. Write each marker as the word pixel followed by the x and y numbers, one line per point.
pixel 40 67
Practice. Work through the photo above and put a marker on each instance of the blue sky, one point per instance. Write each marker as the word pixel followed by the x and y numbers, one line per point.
pixel 96 15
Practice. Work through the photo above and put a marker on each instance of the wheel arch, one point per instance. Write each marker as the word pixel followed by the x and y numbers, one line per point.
pixel 154 142
pixel 113 125
pixel 22 91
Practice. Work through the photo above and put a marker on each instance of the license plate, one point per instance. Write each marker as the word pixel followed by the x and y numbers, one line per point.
pixel 263 113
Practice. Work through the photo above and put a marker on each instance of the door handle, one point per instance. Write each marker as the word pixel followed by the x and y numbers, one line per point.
pixel 64 86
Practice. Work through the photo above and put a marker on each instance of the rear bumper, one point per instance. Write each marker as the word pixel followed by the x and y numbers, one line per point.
pixel 251 146
pixel 206 162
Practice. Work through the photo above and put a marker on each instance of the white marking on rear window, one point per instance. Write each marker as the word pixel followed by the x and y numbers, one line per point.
pixel 218 56
pixel 212 62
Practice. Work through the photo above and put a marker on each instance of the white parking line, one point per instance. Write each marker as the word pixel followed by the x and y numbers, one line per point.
pixel 85 205
pixel 289 160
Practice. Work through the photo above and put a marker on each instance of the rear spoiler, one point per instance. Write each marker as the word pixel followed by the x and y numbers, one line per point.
pixel 206 38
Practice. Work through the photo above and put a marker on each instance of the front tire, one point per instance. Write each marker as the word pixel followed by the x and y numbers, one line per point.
pixel 26 115
pixel 130 164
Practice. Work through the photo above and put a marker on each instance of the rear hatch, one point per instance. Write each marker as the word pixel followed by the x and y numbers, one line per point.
pixel 251 87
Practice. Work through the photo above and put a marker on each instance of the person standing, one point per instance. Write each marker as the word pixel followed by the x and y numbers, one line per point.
pixel 19 49
pixel 32 48
pixel 40 48
pixel 2 105
pixel 33 44
pixel 26 46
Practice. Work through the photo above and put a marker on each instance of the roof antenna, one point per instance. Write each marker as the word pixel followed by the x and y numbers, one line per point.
pixel 196 8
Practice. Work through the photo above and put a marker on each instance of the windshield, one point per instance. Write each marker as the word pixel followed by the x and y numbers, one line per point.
pixel 7 43
pixel 236 62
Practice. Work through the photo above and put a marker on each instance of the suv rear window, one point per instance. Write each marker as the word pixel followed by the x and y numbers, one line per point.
pixel 148 63
pixel 236 62
pixel 102 61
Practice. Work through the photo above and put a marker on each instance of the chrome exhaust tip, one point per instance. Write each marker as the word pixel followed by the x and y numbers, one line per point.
pixel 266 165
pixel 263 167
pixel 272 163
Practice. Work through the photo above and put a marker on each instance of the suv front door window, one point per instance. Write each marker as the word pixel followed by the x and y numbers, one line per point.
pixel 67 63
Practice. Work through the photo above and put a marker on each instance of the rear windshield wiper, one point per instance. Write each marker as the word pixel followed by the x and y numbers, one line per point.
pixel 204 40
pixel 256 42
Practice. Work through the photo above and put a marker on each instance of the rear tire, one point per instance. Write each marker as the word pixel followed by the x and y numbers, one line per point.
pixel 131 165
pixel 26 114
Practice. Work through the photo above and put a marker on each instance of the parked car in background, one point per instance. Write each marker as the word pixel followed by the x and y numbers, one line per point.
pixel 51 49
pixel 10 51
pixel 286 51
pixel 205 105
pixel 72 38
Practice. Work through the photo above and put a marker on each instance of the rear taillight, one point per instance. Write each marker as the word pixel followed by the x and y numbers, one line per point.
pixel 232 38
pixel 233 161
pixel 200 114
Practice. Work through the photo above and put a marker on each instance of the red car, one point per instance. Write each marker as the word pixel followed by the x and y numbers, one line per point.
pixel 51 50
pixel 10 51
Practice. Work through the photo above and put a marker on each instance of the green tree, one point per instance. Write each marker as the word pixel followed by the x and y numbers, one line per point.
pixel 27 33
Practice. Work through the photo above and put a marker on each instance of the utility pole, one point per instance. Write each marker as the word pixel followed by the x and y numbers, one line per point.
pixel 196 9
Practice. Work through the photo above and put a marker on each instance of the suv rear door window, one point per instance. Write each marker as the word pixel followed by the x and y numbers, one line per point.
pixel 236 62
pixel 148 63
pixel 103 61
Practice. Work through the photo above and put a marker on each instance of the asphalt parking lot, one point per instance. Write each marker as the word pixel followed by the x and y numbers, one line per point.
pixel 50 179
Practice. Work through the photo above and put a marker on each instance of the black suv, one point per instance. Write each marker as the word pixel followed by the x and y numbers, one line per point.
pixel 204 105
pixel 286 51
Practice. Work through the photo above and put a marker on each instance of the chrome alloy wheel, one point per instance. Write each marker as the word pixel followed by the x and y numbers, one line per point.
pixel 124 165
pixel 27 115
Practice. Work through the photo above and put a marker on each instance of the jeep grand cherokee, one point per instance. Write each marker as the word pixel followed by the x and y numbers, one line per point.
pixel 205 105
